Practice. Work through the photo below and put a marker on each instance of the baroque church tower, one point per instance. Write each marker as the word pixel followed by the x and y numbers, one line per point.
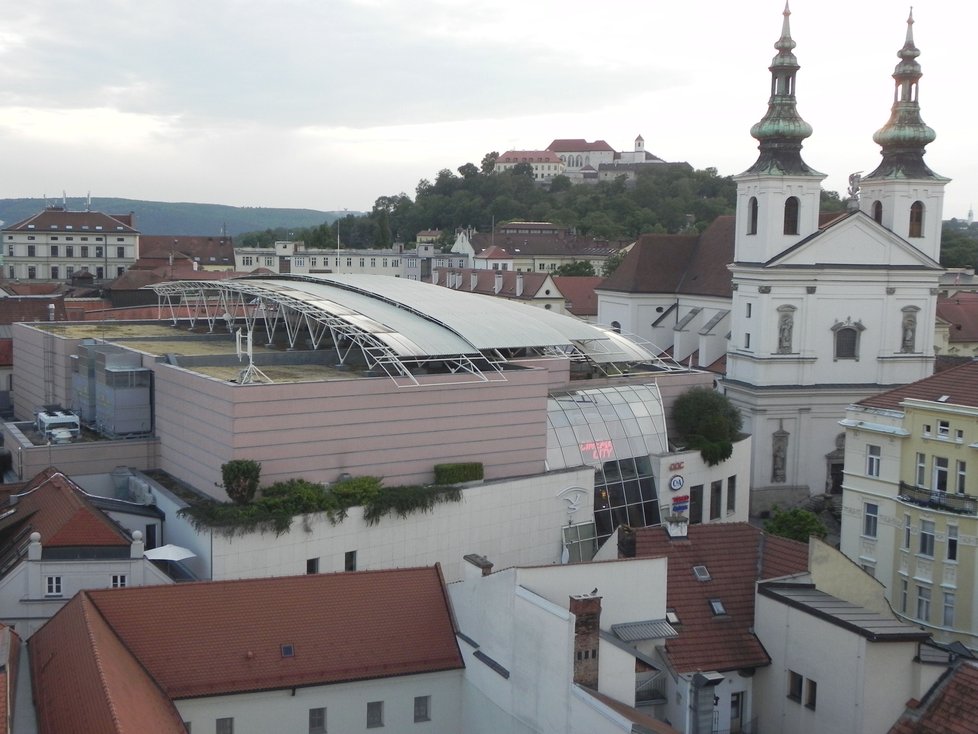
pixel 827 311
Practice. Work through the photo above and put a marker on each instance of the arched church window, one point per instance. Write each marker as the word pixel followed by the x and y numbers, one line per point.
pixel 791 215
pixel 878 211
pixel 616 327
pixel 847 338
pixel 917 219
pixel 752 215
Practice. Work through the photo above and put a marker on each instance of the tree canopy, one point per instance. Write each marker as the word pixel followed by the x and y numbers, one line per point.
pixel 796 524
pixel 708 421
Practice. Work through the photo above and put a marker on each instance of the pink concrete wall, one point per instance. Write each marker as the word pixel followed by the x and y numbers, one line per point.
pixel 318 430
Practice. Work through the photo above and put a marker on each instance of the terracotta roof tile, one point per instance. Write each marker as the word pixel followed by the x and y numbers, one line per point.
pixel 56 507
pixel 528 156
pixel 579 292
pixel 959 383
pixel 949 707
pixel 547 244
pixel 57 219
pixel 961 312
pixel 577 145
pixel 731 553
pixel 679 263
pixel 226 637
pixel 209 250
pixel 82 672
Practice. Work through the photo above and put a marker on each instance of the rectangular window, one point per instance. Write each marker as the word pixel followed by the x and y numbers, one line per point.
pixel 350 561
pixel 225 725
pixel 923 602
pixel 903 595
pixel 120 270
pixel 811 693
pixel 52 586
pixel 31 272
pixel 794 685
pixel 99 251
pixel 317 720
pixel 948 618
pixel 31 251
pixel 69 250
pixel 940 473
pixel 312 565
pixel 54 250
pixel 869 567
pixel 375 714
pixel 961 468
pixel 422 708
pixel 959 435
pixel 870 519
pixel 119 581
pixel 748 309
pixel 120 252
pixel 873 454
pixel 731 495
pixel 716 499
pixel 952 542
pixel 120 239
pixel 906 532
pixel 746 341
pixel 55 273
pixel 349 262
pixel 927 538
pixel 921 470
pixel 84 250
pixel 944 429
pixel 927 429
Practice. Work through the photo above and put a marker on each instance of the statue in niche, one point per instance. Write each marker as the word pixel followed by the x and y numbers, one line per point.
pixel 786 325
pixel 909 329
pixel 779 455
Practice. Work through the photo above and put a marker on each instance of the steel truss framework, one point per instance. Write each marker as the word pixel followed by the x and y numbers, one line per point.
pixel 264 306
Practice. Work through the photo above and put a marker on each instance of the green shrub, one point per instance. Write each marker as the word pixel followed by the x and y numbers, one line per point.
pixel 796 524
pixel 241 479
pixel 458 473
pixel 708 421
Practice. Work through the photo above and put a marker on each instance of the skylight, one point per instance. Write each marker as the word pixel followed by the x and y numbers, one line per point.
pixel 701 573
pixel 672 617
pixel 288 651
pixel 717 606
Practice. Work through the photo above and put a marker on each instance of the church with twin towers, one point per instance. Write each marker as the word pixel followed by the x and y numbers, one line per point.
pixel 828 309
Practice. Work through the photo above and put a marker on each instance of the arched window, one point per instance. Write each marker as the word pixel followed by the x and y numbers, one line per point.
pixel 878 211
pixel 917 219
pixel 752 215
pixel 791 215
pixel 847 338
pixel 616 327
pixel 846 341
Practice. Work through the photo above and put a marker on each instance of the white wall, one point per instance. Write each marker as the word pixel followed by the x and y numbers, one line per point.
pixel 346 706
pixel 511 522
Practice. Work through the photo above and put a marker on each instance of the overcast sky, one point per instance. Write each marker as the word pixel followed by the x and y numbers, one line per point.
pixel 328 104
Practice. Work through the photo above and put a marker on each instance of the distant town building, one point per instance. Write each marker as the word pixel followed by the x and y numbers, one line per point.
pixel 546 164
pixel 58 244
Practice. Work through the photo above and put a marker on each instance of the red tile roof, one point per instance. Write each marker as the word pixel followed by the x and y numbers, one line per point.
pixel 679 263
pixel 579 292
pixel 6 352
pixel 949 707
pixel 54 506
pixel 959 384
pixel 57 219
pixel 961 312
pixel 533 283
pixel 732 553
pixel 528 156
pixel 577 145
pixel 82 673
pixel 546 244
pixel 226 637
pixel 10 650
pixel 208 250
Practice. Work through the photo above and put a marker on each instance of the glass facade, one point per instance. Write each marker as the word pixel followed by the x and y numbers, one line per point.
pixel 614 430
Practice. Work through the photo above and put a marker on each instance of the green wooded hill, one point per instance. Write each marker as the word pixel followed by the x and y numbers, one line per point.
pixel 164 218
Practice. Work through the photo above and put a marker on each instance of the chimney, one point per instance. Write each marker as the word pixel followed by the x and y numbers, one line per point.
pixel 480 562
pixel 701 701
pixel 136 549
pixel 498 284
pixel 34 549
pixel 50 312
pixel 519 284
pixel 586 609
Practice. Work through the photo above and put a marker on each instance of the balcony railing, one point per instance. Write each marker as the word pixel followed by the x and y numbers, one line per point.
pixel 651 690
pixel 961 504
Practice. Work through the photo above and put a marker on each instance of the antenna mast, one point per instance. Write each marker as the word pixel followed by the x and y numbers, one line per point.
pixel 250 373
